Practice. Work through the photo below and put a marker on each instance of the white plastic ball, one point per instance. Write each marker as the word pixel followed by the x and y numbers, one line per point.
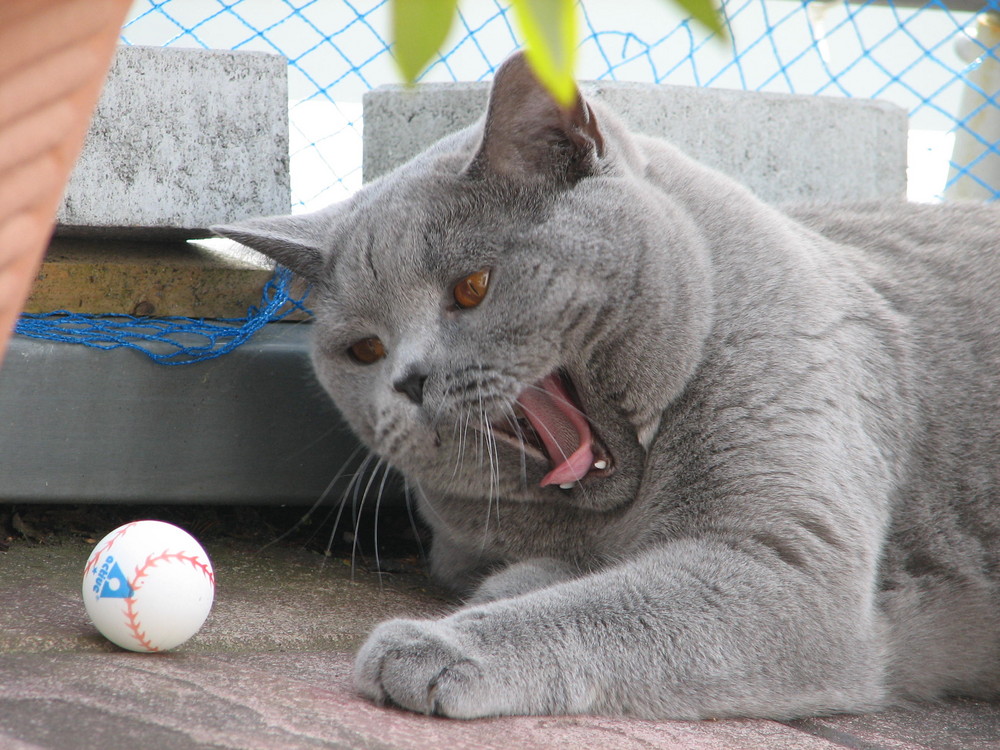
pixel 148 586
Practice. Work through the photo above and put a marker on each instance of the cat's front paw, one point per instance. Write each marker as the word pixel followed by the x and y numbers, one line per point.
pixel 423 666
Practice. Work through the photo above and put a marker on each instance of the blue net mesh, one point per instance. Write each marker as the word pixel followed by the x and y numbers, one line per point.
pixel 170 340
pixel 937 59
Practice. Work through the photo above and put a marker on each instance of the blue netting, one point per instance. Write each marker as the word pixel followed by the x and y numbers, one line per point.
pixel 939 62
pixel 170 340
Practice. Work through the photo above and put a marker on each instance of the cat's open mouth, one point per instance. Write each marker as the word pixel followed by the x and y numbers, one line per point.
pixel 553 426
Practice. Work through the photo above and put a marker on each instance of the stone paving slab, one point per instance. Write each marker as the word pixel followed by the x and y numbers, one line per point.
pixel 271 669
pixel 953 725
pixel 279 599
pixel 196 700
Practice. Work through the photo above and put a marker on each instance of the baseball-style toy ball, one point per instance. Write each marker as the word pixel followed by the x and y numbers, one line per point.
pixel 148 586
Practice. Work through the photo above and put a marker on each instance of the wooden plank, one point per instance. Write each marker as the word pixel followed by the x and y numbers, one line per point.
pixel 148 279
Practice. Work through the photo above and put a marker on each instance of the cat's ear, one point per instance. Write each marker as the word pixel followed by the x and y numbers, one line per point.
pixel 527 134
pixel 300 243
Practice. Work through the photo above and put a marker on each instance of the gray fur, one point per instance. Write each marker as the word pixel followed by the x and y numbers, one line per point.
pixel 802 408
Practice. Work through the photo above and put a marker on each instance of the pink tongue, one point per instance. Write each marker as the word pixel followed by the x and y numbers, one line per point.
pixel 563 430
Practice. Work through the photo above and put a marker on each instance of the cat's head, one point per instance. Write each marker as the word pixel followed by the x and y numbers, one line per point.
pixel 511 311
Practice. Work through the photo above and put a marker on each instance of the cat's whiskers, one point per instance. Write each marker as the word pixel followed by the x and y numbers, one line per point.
pixel 457 431
pixel 511 418
pixel 486 446
pixel 463 427
pixel 381 463
pixel 426 502
pixel 338 508
pixel 465 433
pixel 307 516
pixel 435 419
pixel 378 507
pixel 491 449
pixel 479 433
pixel 494 468
pixel 457 441
pixel 350 491
pixel 409 500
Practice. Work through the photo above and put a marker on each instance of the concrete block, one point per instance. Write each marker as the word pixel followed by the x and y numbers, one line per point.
pixel 82 425
pixel 784 147
pixel 182 139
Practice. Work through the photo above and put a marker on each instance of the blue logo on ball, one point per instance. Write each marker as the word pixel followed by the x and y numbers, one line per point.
pixel 111 583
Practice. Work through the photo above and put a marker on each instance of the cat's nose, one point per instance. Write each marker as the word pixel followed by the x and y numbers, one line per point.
pixel 412 385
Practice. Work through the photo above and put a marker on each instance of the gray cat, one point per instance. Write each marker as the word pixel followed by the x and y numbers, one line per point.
pixel 685 455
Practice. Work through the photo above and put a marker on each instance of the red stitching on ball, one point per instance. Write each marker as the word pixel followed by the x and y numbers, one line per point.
pixel 141 572
pixel 132 618
pixel 97 553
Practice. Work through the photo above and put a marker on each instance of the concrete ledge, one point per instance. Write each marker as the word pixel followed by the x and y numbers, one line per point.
pixel 182 139
pixel 253 427
pixel 786 148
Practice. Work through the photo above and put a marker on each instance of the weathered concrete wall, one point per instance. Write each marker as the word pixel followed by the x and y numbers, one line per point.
pixel 786 148
pixel 182 139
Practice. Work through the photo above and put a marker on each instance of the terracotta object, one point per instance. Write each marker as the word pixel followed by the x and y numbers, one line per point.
pixel 56 54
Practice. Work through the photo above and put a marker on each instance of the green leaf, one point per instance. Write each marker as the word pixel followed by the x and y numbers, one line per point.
pixel 706 12
pixel 419 28
pixel 549 29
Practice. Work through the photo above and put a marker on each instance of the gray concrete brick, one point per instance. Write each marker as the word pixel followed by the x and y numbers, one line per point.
pixel 786 148
pixel 182 139
pixel 81 425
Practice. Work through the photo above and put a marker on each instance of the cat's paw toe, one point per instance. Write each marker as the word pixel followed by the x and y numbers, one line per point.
pixel 420 666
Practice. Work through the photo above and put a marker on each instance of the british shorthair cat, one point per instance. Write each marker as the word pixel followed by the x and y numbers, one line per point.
pixel 683 454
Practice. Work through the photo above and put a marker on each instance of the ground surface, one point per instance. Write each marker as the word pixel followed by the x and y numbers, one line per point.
pixel 271 668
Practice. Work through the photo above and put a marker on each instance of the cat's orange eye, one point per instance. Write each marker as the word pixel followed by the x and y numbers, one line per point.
pixel 471 290
pixel 367 351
